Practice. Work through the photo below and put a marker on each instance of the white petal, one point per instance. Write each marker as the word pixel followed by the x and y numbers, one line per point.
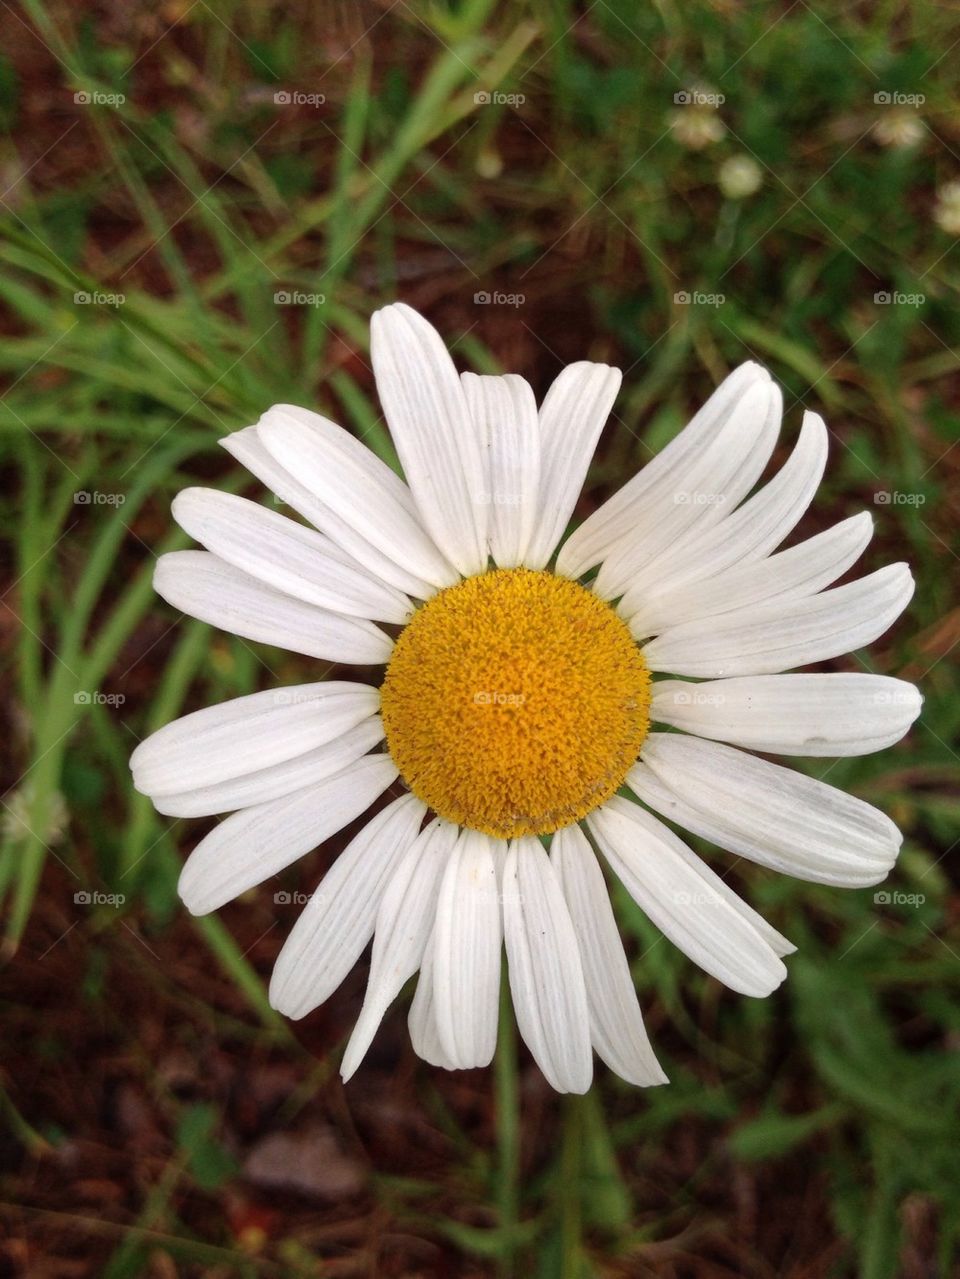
pixel 572 416
pixel 422 1019
pixel 748 533
pixel 247 447
pixel 221 742
pixel 616 1023
pixel 770 814
pixel 504 415
pixel 639 498
pixel 768 638
pixel 352 481
pixel 712 884
pixel 428 417
pixel 466 958
pixel 286 556
pixel 205 587
pixel 264 784
pixel 546 975
pixel 801 571
pixel 835 714
pixel 706 491
pixel 337 921
pixel 258 842
pixel 656 872
pixel 404 923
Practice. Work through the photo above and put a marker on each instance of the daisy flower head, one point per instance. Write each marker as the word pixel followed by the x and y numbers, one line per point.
pixel 545 703
pixel 739 177
pixel 900 128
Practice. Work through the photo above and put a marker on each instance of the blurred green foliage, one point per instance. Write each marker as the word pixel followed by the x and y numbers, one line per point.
pixel 181 211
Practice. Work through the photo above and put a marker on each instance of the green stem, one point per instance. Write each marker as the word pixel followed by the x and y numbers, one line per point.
pixel 571 1253
pixel 508 1127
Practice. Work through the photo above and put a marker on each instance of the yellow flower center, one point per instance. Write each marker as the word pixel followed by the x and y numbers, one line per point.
pixel 515 702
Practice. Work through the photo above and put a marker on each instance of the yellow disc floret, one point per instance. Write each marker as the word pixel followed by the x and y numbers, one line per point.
pixel 515 702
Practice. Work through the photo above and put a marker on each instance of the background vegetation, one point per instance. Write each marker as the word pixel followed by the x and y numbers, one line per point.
pixel 158 1119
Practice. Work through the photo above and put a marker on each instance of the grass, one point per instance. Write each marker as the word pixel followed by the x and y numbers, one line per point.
pixel 814 1132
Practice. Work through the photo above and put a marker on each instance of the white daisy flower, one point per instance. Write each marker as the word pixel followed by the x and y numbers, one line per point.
pixel 739 177
pixel 515 719
pixel 900 128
